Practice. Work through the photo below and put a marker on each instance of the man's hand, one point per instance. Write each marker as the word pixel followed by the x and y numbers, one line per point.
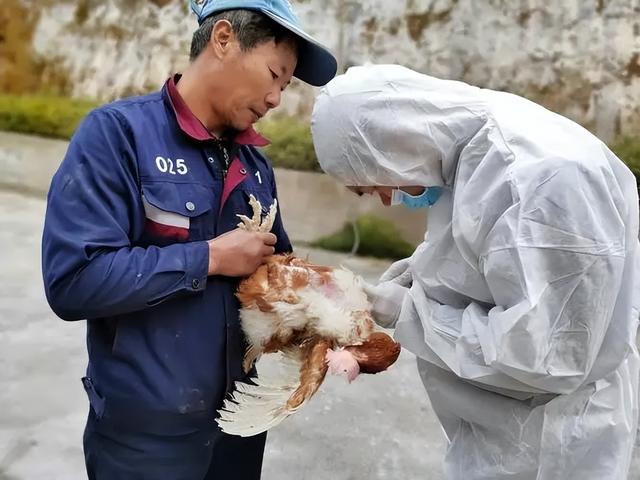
pixel 239 253
pixel 386 302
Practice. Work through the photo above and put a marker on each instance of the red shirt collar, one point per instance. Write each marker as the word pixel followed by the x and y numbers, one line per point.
pixel 193 127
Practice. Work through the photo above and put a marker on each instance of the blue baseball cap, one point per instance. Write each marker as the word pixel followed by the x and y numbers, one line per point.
pixel 316 64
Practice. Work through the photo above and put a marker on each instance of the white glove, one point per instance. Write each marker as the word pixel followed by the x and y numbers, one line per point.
pixel 386 301
pixel 398 273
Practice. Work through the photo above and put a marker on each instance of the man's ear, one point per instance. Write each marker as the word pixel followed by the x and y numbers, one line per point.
pixel 222 37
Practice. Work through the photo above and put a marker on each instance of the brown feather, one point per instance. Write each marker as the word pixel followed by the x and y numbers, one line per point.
pixel 269 285
pixel 312 372
pixel 377 353
pixel 277 281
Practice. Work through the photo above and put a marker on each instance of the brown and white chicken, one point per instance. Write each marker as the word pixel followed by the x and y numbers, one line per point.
pixel 317 317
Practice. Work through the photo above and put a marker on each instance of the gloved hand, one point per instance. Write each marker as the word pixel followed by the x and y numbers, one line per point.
pixel 398 273
pixel 386 301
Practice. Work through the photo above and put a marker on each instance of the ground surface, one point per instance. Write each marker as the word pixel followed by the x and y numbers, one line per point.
pixel 380 427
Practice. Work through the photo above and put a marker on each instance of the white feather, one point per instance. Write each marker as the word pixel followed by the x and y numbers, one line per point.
pixel 257 325
pixel 253 409
pixel 332 315
pixel 291 315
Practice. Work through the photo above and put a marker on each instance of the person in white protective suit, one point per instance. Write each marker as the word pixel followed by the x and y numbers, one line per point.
pixel 519 304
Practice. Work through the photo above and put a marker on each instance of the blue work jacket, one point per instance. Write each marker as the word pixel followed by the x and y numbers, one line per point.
pixel 142 188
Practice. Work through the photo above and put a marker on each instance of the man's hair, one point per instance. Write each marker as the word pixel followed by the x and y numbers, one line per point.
pixel 250 27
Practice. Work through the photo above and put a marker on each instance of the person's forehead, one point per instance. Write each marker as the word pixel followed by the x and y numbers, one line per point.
pixel 284 55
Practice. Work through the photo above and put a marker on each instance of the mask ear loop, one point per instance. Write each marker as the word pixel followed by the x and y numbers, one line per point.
pixel 396 196
pixel 353 213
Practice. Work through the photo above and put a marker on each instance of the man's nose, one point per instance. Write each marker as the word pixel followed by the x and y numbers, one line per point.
pixel 273 98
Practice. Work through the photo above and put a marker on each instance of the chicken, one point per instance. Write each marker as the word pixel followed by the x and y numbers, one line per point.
pixel 316 317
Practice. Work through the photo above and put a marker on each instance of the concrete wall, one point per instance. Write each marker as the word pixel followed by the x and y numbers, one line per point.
pixel 580 58
pixel 28 162
pixel 312 204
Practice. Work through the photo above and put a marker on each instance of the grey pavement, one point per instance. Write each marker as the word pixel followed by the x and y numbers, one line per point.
pixel 379 427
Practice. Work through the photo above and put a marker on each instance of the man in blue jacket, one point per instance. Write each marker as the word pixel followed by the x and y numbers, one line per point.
pixel 140 239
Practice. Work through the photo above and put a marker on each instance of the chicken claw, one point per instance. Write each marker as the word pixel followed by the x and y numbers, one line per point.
pixel 256 223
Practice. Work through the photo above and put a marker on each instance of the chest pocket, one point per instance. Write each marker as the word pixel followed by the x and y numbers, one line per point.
pixel 177 212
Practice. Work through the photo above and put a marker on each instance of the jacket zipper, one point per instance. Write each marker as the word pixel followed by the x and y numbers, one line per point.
pixel 225 157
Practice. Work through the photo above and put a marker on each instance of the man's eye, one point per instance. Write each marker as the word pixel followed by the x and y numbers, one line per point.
pixel 273 74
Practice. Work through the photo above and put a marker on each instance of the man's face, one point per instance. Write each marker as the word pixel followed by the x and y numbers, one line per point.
pixel 253 82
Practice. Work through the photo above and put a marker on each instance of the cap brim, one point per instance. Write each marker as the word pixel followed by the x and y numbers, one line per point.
pixel 316 64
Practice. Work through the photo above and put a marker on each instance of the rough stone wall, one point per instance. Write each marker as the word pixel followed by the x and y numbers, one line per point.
pixel 578 57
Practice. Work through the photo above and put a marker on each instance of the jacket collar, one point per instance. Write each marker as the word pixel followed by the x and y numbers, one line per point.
pixel 194 128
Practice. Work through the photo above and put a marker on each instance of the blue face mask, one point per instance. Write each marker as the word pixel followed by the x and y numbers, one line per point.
pixel 426 199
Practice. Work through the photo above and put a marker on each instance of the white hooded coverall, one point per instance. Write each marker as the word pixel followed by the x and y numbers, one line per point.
pixel 521 309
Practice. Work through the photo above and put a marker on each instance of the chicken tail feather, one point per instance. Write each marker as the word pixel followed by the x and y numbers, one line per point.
pixel 255 408
pixel 251 355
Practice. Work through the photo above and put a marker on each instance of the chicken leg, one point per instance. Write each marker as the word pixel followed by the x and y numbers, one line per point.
pixel 256 223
